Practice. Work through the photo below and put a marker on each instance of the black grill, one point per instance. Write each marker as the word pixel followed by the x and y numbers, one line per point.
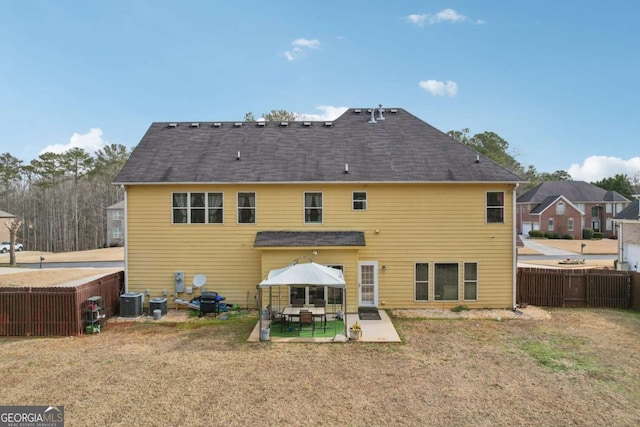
pixel 209 302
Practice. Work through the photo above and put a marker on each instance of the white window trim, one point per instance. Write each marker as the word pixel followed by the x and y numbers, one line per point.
pixel 255 208
pixel 570 224
pixel 477 280
pixel 365 201
pixel 551 224
pixel 487 207
pixel 415 282
pixel 188 208
pixel 304 208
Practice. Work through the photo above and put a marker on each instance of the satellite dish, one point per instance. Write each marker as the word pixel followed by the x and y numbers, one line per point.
pixel 199 280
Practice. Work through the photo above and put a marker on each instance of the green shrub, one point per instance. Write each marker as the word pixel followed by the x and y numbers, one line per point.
pixel 587 234
pixel 548 235
pixel 460 308
pixel 557 236
pixel 598 236
pixel 568 237
pixel 536 233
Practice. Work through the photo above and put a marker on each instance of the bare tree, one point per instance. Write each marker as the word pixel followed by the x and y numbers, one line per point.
pixel 13 227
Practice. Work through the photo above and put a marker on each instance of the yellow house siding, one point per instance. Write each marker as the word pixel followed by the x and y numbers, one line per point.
pixel 403 224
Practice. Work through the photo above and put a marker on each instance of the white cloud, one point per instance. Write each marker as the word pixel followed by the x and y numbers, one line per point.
pixel 445 15
pixel 91 142
pixel 300 47
pixel 595 168
pixel 311 44
pixel 328 113
pixel 437 88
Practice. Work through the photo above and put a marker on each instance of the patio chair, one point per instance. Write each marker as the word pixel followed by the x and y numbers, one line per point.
pixel 278 319
pixel 306 319
pixel 319 302
pixel 298 302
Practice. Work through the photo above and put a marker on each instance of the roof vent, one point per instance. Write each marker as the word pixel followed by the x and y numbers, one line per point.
pixel 380 111
pixel 393 111
pixel 238 156
pixel 237 125
pixel 306 124
pixel 195 125
pixel 357 111
pixel 284 124
pixel 328 124
pixel 372 119
pixel 261 124
pixel 217 125
pixel 346 168
pixel 477 158
pixel 173 125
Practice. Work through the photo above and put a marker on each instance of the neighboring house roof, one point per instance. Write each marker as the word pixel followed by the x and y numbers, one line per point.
pixel 575 191
pixel 119 205
pixel 550 201
pixel 309 238
pixel 4 214
pixel 401 148
pixel 630 212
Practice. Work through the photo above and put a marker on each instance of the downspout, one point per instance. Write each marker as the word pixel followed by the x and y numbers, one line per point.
pixel 514 246
pixel 126 241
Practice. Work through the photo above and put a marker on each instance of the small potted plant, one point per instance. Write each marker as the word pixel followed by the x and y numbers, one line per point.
pixel 355 331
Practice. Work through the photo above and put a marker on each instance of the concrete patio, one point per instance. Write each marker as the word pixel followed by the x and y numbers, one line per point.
pixel 372 330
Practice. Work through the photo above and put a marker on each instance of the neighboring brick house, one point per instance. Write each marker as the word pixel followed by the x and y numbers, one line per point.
pixel 628 224
pixel 5 217
pixel 568 207
pixel 115 225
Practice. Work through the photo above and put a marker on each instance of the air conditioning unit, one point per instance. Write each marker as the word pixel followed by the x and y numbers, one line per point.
pixel 131 304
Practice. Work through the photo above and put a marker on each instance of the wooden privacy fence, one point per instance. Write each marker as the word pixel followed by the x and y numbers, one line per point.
pixel 34 311
pixel 575 288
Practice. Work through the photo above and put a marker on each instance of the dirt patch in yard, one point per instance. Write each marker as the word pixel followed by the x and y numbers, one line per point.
pixel 574 368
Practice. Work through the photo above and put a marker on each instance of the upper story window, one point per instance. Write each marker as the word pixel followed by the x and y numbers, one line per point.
pixel 495 206
pixel 197 208
pixel 560 208
pixel 313 208
pixel 619 207
pixel 117 214
pixel 246 208
pixel 608 208
pixel 595 211
pixel 359 200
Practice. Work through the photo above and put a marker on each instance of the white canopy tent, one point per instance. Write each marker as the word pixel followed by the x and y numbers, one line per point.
pixel 307 274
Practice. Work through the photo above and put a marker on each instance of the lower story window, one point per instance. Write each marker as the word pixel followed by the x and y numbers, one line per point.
pixel 422 282
pixel 470 281
pixel 445 278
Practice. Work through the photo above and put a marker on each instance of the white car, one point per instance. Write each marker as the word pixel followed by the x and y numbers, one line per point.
pixel 6 245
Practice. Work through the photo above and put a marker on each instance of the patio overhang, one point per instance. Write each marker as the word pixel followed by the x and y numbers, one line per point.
pixel 300 239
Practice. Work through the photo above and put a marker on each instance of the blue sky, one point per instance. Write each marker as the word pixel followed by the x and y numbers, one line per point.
pixel 559 80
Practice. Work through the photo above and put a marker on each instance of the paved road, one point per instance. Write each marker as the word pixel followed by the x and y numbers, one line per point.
pixel 547 250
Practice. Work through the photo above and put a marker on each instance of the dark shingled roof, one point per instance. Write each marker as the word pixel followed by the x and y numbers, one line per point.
pixel 630 212
pixel 309 238
pixel 574 191
pixel 401 148
pixel 548 201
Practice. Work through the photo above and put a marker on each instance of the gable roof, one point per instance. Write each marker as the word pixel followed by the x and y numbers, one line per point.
pixel 574 191
pixel 119 205
pixel 401 148
pixel 630 212
pixel 4 214
pixel 550 201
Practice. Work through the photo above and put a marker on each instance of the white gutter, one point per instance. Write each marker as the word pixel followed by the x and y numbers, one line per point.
pixel 126 242
pixel 515 246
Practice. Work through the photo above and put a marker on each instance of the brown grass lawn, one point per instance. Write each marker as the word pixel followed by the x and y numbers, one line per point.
pixel 592 247
pixel 577 368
